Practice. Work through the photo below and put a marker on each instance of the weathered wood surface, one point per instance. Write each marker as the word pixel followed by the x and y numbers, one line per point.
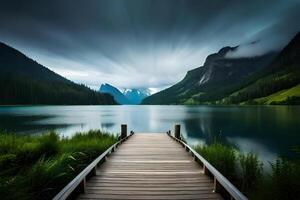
pixel 150 166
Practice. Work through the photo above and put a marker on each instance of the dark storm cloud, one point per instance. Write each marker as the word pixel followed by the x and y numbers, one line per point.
pixel 138 43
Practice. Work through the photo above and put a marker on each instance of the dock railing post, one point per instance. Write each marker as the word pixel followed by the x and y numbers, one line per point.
pixel 123 131
pixel 177 131
pixel 82 186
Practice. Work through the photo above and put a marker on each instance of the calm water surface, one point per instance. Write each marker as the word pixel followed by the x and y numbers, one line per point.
pixel 266 130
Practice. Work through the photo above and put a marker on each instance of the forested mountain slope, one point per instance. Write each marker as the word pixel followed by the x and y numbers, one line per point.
pixel 272 78
pixel 24 81
pixel 218 77
pixel 273 82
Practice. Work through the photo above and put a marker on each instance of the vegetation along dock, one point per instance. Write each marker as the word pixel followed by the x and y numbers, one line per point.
pixel 150 166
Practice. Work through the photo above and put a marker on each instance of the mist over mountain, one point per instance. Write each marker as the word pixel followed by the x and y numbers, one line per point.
pixel 225 78
pixel 219 76
pixel 277 83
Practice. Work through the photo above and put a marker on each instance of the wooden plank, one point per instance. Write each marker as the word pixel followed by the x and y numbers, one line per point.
pixel 143 196
pixel 151 185
pixel 149 192
pixel 150 166
pixel 166 188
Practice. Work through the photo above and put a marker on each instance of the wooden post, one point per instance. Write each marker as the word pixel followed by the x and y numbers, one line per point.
pixel 205 171
pixel 217 185
pixel 177 131
pixel 94 171
pixel 81 186
pixel 123 131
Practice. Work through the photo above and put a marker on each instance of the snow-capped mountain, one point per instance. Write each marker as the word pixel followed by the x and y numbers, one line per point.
pixel 127 96
pixel 136 95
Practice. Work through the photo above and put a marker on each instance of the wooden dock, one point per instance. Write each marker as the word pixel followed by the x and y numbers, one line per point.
pixel 150 166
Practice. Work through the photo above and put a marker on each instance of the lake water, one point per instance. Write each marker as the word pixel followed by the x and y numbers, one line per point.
pixel 266 130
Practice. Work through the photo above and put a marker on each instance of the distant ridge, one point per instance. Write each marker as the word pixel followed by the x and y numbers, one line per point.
pixel 128 96
pixel 135 96
pixel 118 96
pixel 24 81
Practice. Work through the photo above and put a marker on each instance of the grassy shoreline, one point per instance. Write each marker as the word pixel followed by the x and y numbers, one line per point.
pixel 246 172
pixel 38 167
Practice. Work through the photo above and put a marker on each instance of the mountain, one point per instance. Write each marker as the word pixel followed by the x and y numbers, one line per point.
pixel 128 96
pixel 24 81
pixel 217 78
pixel 278 83
pixel 135 96
pixel 118 96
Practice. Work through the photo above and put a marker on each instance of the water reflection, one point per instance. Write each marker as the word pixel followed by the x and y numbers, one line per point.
pixel 267 130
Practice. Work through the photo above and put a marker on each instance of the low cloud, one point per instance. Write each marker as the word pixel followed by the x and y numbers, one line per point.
pixel 254 49
pixel 142 44
pixel 272 37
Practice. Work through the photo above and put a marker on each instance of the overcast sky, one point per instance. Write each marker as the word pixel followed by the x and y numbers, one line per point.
pixel 139 43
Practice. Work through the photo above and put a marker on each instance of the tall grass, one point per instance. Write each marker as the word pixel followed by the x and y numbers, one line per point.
pixel 251 172
pixel 37 167
pixel 246 173
pixel 282 183
pixel 221 156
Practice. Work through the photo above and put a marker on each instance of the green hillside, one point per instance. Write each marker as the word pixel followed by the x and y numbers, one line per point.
pixel 264 87
pixel 289 96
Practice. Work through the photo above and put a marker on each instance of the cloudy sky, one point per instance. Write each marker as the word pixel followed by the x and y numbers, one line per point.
pixel 142 43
